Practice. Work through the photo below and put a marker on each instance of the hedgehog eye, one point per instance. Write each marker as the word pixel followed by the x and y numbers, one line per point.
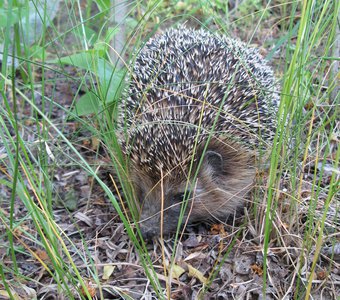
pixel 140 194
pixel 180 197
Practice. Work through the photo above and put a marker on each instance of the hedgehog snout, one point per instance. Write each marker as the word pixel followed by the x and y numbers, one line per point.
pixel 154 221
pixel 148 233
pixel 149 219
pixel 149 225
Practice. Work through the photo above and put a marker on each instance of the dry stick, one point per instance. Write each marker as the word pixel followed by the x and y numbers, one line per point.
pixel 166 275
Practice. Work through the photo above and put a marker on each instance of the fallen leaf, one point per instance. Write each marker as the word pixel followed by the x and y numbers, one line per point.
pixel 95 143
pixel 197 274
pixel 20 230
pixel 177 271
pixel 257 269
pixel 86 142
pixel 4 294
pixel 107 272
pixel 321 275
pixel 195 255
pixel 90 289
pixel 70 200
pixel 84 218
pixel 217 229
pixel 42 254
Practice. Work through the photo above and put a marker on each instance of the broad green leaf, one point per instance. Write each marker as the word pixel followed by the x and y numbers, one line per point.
pixel 84 60
pixel 114 85
pixel 4 16
pixel 90 34
pixel 37 51
pixel 111 32
pixel 87 104
pixel 104 5
pixel 100 67
pixel 111 80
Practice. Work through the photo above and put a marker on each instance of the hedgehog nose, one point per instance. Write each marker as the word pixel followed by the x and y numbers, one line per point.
pixel 148 233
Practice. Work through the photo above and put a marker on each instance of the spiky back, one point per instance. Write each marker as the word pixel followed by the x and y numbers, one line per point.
pixel 187 85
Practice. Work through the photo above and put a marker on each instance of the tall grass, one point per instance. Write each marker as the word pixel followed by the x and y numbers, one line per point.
pixel 294 143
pixel 307 119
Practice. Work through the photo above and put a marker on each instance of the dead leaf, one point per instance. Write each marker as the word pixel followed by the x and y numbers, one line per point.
pixel 20 292
pixel 177 271
pixel 195 255
pixel 165 279
pixel 191 242
pixel 321 275
pixel 20 230
pixel 86 142
pixel 197 274
pixel 257 269
pixel 107 272
pixel 218 229
pixel 4 295
pixel 95 143
pixel 201 247
pixel 70 200
pixel 42 254
pixel 82 217
pixel 90 289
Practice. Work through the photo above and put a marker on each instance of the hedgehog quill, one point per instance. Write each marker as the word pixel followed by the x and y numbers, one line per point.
pixel 198 110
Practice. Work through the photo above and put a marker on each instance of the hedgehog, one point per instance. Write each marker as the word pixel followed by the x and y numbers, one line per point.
pixel 198 110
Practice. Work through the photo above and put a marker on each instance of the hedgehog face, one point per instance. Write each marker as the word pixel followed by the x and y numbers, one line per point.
pixel 222 181
pixel 159 199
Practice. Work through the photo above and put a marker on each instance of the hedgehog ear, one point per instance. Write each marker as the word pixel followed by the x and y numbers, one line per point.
pixel 214 160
